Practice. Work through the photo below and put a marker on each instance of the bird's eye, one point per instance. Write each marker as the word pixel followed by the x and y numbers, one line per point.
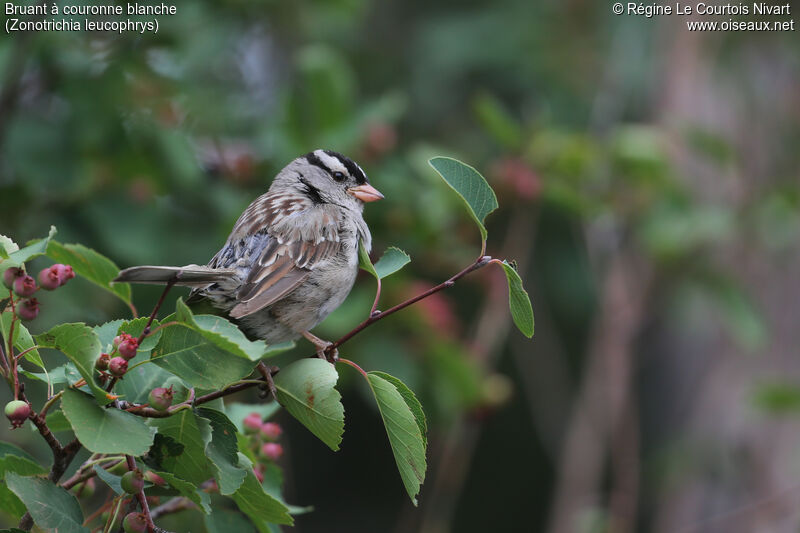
pixel 338 176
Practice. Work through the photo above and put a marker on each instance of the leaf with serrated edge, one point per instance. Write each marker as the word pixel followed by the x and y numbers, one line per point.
pixel 470 186
pixel 90 265
pixel 7 246
pixel 19 257
pixel 52 508
pixel 80 344
pixel 306 389
pixel 411 402
pixel 105 430
pixel 257 504
pixel 223 451
pixel 392 260
pixel 403 430
pixel 188 490
pixel 518 301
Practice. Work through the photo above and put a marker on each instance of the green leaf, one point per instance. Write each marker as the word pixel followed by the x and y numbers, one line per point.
pixel 80 344
pixel 66 373
pixel 404 427
pixel 113 481
pixel 19 257
pixel 224 521
pixel 363 260
pixel 7 246
pixel 306 389
pixel 22 338
pixel 57 422
pixel 193 434
pixel 90 265
pixel 257 504
pixel 518 301
pixel 392 260
pixel 470 186
pixel 11 506
pixel 198 361
pixel 225 335
pixel 105 430
pixel 411 401
pixel 13 459
pixel 223 451
pixel 187 490
pixel 142 375
pixel 51 507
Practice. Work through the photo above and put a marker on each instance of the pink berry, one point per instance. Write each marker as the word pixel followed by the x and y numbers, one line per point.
pixel 271 430
pixel 128 347
pixel 28 309
pixel 120 338
pixel 118 366
pixel 259 474
pixel 160 398
pixel 24 286
pixel 65 272
pixel 102 362
pixel 48 279
pixel 10 275
pixel 134 523
pixel 154 478
pixel 272 450
pixel 252 422
pixel 17 412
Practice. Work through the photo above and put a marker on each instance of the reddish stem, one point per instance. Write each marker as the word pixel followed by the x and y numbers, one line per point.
pixel 372 311
pixel 151 527
pixel 351 363
pixel 146 330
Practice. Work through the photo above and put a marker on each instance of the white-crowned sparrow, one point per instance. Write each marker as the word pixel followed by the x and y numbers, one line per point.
pixel 292 256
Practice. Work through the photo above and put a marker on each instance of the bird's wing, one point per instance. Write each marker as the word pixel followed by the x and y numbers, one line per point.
pixel 299 240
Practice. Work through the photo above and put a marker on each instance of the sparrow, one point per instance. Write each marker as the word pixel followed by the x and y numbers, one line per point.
pixel 292 256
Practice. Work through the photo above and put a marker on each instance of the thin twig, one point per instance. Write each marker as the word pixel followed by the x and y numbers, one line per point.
pixel 140 495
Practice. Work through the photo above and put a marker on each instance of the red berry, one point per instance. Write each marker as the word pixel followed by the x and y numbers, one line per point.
pixel 272 450
pixel 134 523
pixel 17 412
pixel 128 347
pixel 160 398
pixel 118 366
pixel 259 474
pixel 271 430
pixel 252 423
pixel 28 309
pixel 24 286
pixel 48 279
pixel 65 273
pixel 10 275
pixel 120 338
pixel 132 481
pixel 102 362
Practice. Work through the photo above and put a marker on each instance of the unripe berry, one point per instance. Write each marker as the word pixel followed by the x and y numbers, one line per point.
pixel 160 398
pixel 252 423
pixel 28 309
pixel 271 430
pixel 17 412
pixel 132 481
pixel 48 279
pixel 128 347
pixel 102 362
pixel 24 286
pixel 272 450
pixel 10 275
pixel 134 523
pixel 118 366
pixel 154 478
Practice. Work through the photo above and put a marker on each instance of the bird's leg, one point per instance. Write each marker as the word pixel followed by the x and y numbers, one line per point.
pixel 322 347
pixel 266 372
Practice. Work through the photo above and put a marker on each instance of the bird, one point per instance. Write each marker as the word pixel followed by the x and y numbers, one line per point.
pixel 292 256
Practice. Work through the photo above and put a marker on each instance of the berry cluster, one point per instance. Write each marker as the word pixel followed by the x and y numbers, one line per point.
pixel 23 285
pixel 262 440
pixel 125 346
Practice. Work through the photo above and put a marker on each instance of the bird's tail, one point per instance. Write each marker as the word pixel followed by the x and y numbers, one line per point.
pixel 189 275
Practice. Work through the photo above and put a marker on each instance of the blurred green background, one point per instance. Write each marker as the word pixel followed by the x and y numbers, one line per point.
pixel 648 186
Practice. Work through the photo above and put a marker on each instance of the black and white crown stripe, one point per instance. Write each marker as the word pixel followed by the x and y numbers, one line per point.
pixel 331 162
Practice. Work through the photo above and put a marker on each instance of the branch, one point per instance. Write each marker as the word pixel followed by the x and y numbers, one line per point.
pixel 173 506
pixel 151 527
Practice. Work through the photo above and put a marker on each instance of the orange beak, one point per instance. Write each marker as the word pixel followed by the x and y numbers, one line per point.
pixel 365 193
